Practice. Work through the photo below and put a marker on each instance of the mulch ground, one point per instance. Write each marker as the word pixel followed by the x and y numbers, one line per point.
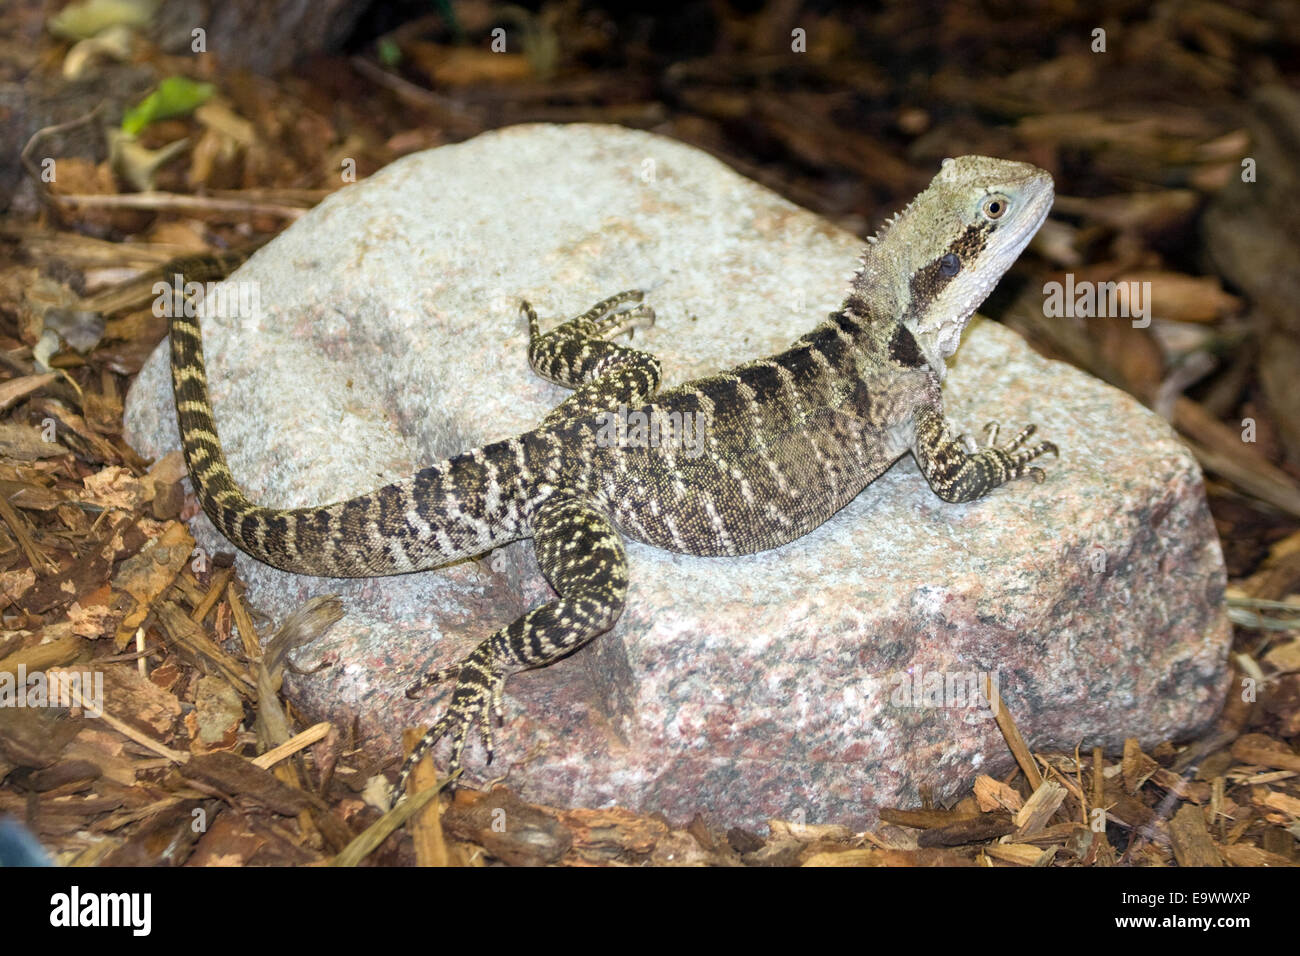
pixel 197 759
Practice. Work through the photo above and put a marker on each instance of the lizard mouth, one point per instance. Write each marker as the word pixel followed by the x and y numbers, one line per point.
pixel 1042 194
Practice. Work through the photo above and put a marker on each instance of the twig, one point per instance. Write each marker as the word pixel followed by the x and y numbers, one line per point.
pixel 1012 735
pixel 445 110
pixel 42 188
pixel 178 202
pixel 375 834
pixel 126 730
pixel 39 562
pixel 292 745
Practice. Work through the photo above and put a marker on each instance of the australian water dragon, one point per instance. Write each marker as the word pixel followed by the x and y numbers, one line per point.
pixel 787 441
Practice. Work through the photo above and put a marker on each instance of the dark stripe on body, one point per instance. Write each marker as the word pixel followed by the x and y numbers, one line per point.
pixel 903 348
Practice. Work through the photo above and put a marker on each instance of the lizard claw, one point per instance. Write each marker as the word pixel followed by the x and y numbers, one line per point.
pixel 480 683
pixel 1015 443
pixel 623 320
pixel 1014 456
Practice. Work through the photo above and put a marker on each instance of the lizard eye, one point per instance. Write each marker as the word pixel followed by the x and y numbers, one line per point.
pixel 995 206
pixel 949 265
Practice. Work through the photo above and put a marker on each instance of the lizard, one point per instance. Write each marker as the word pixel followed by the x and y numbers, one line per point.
pixel 788 440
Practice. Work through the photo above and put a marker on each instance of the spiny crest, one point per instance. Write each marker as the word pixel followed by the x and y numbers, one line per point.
pixel 891 221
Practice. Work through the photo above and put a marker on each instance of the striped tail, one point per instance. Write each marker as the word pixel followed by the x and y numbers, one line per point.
pixel 461 507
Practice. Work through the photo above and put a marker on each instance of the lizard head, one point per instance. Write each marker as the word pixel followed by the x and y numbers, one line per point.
pixel 934 263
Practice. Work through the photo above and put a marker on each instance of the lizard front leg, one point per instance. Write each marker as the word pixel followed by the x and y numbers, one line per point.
pixel 582 556
pixel 956 474
pixel 565 355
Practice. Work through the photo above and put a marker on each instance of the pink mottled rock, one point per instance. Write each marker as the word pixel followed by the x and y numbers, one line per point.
pixel 801 681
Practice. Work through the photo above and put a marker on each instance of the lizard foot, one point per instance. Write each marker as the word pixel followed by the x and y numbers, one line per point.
pixel 1014 456
pixel 627 320
pixel 578 352
pixel 621 312
pixel 476 698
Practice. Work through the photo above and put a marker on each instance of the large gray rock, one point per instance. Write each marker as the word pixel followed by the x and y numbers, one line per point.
pixel 796 681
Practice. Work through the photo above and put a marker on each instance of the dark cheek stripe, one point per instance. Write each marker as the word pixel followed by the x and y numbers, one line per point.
pixel 930 281
pixel 971 242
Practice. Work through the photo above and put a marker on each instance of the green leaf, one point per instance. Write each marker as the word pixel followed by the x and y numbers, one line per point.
pixel 175 96
pixel 390 54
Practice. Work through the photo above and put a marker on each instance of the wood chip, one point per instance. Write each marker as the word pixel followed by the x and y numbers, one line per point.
pixel 1039 808
pixel 1191 840
pixel 1285 657
pixel 294 744
pixel 27 443
pixel 986 826
pixel 1270 799
pixel 218 712
pixel 877 857
pixel 1249 750
pixel 18 525
pixel 922 819
pixel 1021 854
pixel 996 795
pixel 245 782
pixel 192 638
pixel 17 388
pixel 518 833
pixel 1197 791
pixel 425 827
pixel 244 624
pixel 210 598
pixel 1137 767
pixel 62 650
pixel 1243 854
pixel 149 706
pixel 148 574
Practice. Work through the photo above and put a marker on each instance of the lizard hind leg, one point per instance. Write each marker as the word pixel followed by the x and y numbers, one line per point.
pixel 582 555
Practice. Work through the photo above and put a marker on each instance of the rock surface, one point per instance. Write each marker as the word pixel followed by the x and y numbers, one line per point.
pixel 801 681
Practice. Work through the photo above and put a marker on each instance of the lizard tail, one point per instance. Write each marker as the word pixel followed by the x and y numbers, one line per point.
pixel 458 508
